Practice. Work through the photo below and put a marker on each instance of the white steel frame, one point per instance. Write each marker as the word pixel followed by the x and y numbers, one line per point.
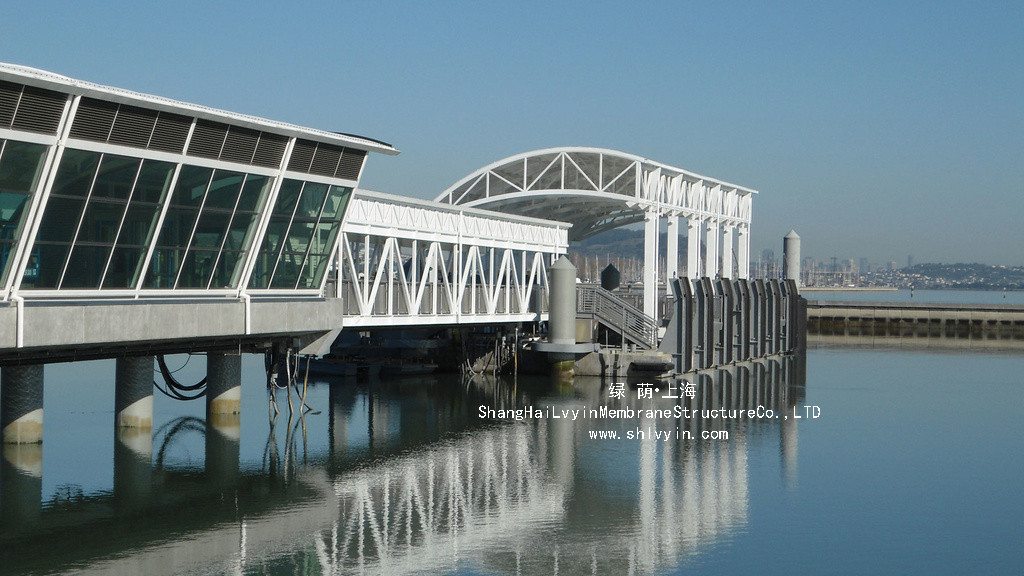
pixel 597 189
pixel 405 261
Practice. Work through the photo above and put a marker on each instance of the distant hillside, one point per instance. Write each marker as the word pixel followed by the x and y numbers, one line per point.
pixel 621 242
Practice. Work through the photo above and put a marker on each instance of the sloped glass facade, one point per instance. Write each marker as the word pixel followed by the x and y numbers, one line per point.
pixel 20 167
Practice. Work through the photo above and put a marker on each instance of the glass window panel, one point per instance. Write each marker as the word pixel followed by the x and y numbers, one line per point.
pixel 334 209
pixel 60 218
pixel 19 166
pixel 177 227
pixel 191 186
pixel 298 236
pixel 12 213
pixel 116 177
pixel 85 267
pixel 323 237
pixel 138 224
pixel 77 169
pixel 225 275
pixel 197 269
pixel 240 233
pixel 6 253
pixel 287 270
pixel 100 222
pixel 312 200
pixel 253 193
pixel 124 267
pixel 260 277
pixel 211 228
pixel 163 267
pixel 224 189
pixel 286 197
pixel 313 271
pixel 48 264
pixel 154 180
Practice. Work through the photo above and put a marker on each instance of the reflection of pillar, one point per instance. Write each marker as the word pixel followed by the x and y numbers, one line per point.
pixel 743 252
pixel 727 251
pixel 21 484
pixel 711 263
pixel 651 263
pixel 133 472
pixel 693 248
pixel 21 404
pixel 222 440
pixel 672 250
pixel 223 384
pixel 133 392
pixel 337 423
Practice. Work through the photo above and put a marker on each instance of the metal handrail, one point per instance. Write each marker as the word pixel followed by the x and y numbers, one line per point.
pixel 617 313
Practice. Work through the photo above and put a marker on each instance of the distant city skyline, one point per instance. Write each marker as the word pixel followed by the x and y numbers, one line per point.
pixel 874 131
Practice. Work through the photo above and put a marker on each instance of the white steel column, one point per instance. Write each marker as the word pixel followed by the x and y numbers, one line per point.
pixel 672 257
pixel 743 252
pixel 711 260
pixel 693 248
pixel 651 263
pixel 727 251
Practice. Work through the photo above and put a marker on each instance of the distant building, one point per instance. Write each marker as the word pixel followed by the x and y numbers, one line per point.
pixel 864 267
pixel 910 261
pixel 892 265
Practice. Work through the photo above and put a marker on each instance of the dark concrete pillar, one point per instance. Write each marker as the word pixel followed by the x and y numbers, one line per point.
pixel 223 417
pixel 21 404
pixel 133 392
pixel 223 384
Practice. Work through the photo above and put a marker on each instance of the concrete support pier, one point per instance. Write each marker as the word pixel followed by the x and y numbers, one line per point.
pixel 223 384
pixel 21 404
pixel 133 392
pixel 223 417
pixel 562 313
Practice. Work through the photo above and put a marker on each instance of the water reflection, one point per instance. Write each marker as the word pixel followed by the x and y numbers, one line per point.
pixel 412 481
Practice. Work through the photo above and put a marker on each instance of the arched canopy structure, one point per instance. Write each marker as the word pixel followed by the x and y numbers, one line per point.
pixel 597 189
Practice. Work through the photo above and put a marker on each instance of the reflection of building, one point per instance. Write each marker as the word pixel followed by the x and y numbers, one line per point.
pixel 405 494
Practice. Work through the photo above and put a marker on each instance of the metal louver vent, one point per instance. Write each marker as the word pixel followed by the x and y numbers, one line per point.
pixel 240 145
pixel 351 164
pixel 207 139
pixel 170 132
pixel 133 126
pixel 9 95
pixel 302 156
pixel 93 119
pixel 39 110
pixel 270 150
pixel 325 161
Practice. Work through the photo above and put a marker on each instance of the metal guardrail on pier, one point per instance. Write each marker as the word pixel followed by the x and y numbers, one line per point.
pixel 618 314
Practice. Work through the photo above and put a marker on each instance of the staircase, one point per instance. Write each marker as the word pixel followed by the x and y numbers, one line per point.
pixel 617 314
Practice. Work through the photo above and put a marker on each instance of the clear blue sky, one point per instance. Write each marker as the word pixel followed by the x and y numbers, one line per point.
pixel 873 129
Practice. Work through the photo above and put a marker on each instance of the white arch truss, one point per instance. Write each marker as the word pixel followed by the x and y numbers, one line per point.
pixel 597 189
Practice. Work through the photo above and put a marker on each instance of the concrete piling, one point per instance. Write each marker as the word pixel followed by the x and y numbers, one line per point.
pixel 133 392
pixel 21 404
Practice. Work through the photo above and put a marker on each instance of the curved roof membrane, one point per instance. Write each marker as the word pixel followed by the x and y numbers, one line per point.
pixel 597 189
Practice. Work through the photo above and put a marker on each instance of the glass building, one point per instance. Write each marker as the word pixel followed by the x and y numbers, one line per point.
pixel 112 193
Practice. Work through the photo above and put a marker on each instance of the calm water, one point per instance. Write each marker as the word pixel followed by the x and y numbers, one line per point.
pixel 914 466
pixel 924 296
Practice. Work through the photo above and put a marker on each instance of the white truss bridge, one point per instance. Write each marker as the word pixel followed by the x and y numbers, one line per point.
pixel 406 262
